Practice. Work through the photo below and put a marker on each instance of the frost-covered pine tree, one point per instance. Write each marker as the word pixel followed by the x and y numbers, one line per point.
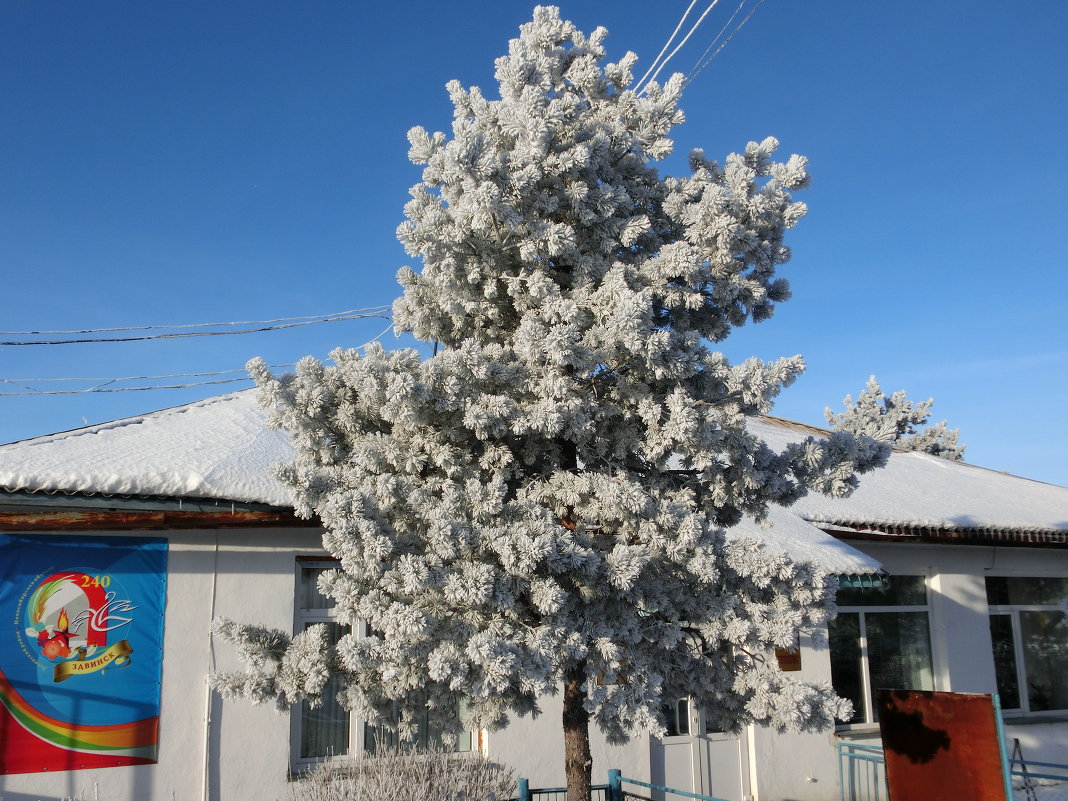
pixel 897 420
pixel 540 506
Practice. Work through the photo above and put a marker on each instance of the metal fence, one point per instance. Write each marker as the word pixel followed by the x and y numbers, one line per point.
pixel 862 776
pixel 598 792
pixel 613 791
pixel 861 772
pixel 616 781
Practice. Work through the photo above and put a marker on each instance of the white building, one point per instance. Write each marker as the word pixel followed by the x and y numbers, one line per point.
pixel 952 576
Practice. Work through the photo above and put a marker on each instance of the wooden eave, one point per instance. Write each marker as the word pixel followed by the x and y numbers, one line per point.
pixel 905 533
pixel 38 512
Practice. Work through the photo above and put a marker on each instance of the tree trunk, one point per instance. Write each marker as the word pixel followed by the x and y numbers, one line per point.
pixel 578 764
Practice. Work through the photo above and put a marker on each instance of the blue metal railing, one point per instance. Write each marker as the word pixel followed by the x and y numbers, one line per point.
pixel 598 792
pixel 862 772
pixel 1062 776
pixel 613 791
pixel 615 782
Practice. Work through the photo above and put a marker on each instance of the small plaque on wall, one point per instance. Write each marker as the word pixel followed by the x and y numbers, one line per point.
pixel 789 658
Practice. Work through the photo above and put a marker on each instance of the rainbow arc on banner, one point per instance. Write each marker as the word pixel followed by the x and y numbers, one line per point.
pixel 135 739
pixel 81 651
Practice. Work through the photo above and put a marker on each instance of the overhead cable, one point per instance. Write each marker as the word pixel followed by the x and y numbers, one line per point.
pixel 384 315
pixel 114 389
pixel 700 63
pixel 369 310
pixel 667 44
pixel 685 39
pixel 697 69
pixel 106 384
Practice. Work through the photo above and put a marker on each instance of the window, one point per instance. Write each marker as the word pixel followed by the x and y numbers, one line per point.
pixel 327 731
pixel 880 640
pixel 677 717
pixel 683 719
pixel 1029 632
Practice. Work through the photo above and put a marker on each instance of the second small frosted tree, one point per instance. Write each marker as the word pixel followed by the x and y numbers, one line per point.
pixel 541 506
pixel 896 420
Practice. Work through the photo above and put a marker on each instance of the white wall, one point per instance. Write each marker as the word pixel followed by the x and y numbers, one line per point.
pixel 233 751
pixel 798 767
pixel 804 767
pixel 236 751
pixel 534 747
pixel 245 752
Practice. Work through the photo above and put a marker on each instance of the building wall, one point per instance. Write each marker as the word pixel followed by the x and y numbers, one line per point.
pixel 804 767
pixel 534 748
pixel 207 749
pixel 232 751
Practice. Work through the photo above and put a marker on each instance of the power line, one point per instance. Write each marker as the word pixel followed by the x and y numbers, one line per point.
pixel 697 69
pixel 698 66
pixel 685 39
pixel 369 310
pixel 133 377
pixel 115 389
pixel 667 44
pixel 382 314
pixel 106 384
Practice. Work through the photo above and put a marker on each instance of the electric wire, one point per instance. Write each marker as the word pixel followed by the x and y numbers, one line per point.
pixel 697 70
pixel 679 47
pixel 369 310
pixel 698 65
pixel 118 389
pixel 105 384
pixel 189 334
pixel 667 44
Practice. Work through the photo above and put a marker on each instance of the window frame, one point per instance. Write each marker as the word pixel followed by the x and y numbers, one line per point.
pixel 358 728
pixel 1013 610
pixel 302 618
pixel 869 722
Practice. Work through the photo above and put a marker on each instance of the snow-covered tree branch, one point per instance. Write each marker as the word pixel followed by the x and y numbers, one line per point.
pixel 542 504
pixel 897 420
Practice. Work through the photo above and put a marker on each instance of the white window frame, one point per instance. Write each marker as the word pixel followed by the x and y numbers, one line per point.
pixel 1013 611
pixel 302 618
pixel 868 710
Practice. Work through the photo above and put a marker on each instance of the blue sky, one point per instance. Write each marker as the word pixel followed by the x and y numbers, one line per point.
pixel 191 162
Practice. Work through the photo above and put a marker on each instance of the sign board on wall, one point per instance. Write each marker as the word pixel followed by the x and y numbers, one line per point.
pixel 941 745
pixel 789 658
pixel 81 651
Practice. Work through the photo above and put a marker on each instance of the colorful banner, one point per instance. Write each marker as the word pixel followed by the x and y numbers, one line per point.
pixel 81 651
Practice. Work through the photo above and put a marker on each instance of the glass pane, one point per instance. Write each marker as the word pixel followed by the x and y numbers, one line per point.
pixel 892 591
pixel 375 737
pixel 1045 646
pixel 1005 661
pixel 846 671
pixel 1026 590
pixel 463 741
pixel 677 717
pixel 899 651
pixel 324 731
pixel 309 595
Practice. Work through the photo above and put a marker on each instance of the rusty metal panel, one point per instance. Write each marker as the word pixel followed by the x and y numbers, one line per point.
pixel 941 746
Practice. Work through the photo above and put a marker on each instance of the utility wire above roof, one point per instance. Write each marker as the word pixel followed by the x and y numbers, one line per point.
pixel 661 61
pixel 107 384
pixel 382 312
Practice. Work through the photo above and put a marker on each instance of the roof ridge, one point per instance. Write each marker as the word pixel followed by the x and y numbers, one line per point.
pixel 123 422
pixel 797 425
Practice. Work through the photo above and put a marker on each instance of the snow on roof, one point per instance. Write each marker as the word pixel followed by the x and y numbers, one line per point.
pixel 220 448
pixel 215 448
pixel 804 542
pixel 922 491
